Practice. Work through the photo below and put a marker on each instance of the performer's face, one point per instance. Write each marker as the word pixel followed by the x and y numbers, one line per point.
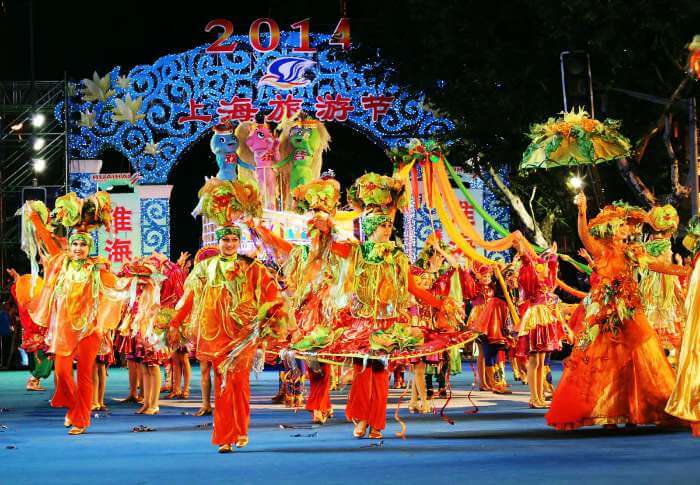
pixel 382 233
pixel 622 233
pixel 228 245
pixel 79 250
pixel 322 222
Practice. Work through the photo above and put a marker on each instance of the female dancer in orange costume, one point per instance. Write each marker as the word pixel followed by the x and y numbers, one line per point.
pixel 617 372
pixel 313 275
pixel 33 336
pixel 376 321
pixel 541 323
pixel 78 301
pixel 490 318
pixel 436 272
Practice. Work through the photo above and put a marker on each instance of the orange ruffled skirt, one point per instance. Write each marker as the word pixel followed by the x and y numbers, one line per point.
pixel 616 379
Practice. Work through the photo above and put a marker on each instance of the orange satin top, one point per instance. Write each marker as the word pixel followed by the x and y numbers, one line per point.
pixel 222 299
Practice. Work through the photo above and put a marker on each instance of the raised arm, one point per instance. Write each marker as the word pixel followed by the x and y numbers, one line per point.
pixel 423 296
pixel 591 245
pixel 668 268
pixel 44 236
pixel 279 244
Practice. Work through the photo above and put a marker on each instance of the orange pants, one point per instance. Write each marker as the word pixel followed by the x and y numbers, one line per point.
pixel 368 395
pixel 77 398
pixel 232 404
pixel 320 389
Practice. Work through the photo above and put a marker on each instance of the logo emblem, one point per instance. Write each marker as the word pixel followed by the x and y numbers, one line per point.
pixel 287 73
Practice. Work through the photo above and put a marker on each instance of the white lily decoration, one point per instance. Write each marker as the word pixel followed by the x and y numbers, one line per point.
pixel 72 89
pixel 151 149
pixel 123 82
pixel 87 119
pixel 127 109
pixel 97 88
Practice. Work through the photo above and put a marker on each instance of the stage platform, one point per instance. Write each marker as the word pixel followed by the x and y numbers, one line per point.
pixel 505 442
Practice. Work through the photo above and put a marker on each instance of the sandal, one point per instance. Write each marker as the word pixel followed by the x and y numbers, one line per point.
pixel 360 429
pixel 203 412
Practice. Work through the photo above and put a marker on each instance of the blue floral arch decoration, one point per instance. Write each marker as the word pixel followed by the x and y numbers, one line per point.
pixel 165 88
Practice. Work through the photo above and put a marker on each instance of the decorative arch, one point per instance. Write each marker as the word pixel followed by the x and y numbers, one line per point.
pixel 156 96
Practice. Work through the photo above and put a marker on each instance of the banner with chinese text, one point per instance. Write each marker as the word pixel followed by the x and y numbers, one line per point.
pixel 125 241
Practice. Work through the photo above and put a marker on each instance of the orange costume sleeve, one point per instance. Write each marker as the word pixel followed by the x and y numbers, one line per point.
pixel 108 278
pixel 570 290
pixel 342 249
pixel 278 243
pixel 45 236
pixel 270 293
pixel 184 308
pixel 422 295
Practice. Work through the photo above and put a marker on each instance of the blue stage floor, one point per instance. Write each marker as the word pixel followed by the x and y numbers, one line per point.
pixel 504 443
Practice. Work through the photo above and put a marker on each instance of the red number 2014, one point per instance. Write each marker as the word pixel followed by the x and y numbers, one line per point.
pixel 340 36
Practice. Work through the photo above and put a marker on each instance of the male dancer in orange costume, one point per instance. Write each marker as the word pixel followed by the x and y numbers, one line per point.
pixel 233 301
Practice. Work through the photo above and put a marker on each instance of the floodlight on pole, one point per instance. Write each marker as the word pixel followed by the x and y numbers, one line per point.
pixel 38 120
pixel 39 165
pixel 38 143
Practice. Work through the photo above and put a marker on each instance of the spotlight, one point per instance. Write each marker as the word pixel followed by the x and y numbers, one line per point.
pixel 39 165
pixel 38 143
pixel 38 120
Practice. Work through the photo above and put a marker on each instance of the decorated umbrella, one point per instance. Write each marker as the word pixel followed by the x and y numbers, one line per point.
pixel 574 139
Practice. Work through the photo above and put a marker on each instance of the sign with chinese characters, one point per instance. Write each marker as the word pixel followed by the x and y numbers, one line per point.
pixel 124 243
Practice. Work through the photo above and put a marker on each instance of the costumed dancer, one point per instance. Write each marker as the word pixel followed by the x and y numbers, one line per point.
pixel 684 402
pixel 180 369
pixel 541 323
pixel 126 346
pixel 233 302
pixel 33 336
pixel 490 318
pixel 377 322
pixel 518 364
pixel 313 276
pixel 105 358
pixel 156 349
pixel 79 300
pixel 617 372
pixel 204 363
pixel 435 272
pixel 140 310
pixel 662 294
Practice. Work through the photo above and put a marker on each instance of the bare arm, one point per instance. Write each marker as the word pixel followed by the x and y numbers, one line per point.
pixel 591 245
